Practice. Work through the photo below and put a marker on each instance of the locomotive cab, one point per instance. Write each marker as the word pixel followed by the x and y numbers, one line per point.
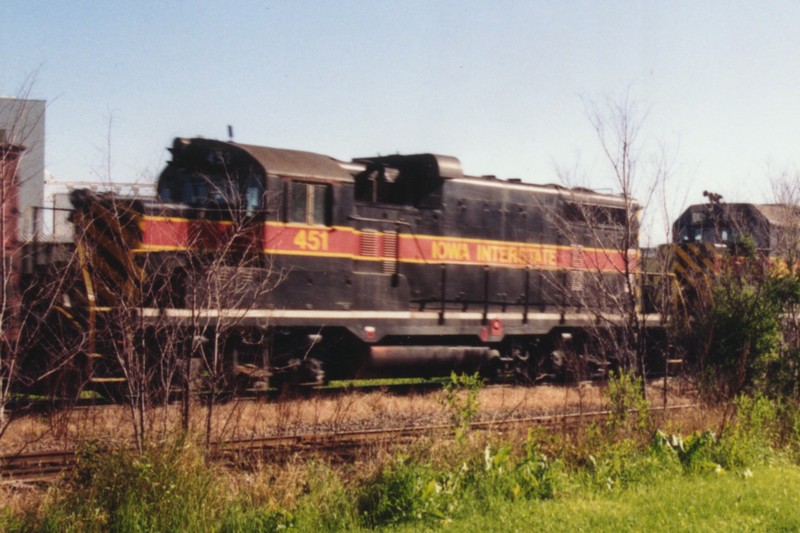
pixel 219 183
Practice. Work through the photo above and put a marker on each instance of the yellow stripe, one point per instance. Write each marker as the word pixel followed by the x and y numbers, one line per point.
pixel 374 259
pixel 179 219
pixel 332 255
pixel 298 225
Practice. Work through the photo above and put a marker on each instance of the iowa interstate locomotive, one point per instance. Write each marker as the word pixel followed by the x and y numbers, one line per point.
pixel 288 265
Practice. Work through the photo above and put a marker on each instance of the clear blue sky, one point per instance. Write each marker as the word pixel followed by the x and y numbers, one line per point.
pixel 500 85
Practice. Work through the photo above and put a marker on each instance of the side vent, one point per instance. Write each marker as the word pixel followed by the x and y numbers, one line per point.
pixel 369 243
pixel 390 243
pixel 575 276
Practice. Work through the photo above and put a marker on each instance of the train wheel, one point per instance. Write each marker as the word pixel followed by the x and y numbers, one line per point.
pixel 300 373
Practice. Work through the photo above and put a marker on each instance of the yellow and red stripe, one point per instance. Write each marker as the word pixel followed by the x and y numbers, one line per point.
pixel 167 233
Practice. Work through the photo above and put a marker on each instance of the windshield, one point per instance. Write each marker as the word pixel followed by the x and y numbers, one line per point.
pixel 212 191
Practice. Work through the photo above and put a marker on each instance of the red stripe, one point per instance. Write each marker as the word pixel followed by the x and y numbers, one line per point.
pixel 165 233
pixel 180 234
pixel 346 242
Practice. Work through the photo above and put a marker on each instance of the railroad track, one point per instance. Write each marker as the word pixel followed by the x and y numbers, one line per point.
pixel 36 466
pixel 45 466
pixel 25 406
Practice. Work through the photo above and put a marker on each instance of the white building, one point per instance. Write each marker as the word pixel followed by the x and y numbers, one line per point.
pixel 54 213
pixel 22 122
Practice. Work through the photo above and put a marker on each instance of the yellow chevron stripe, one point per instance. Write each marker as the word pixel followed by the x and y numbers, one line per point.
pixel 112 222
pixel 125 261
pixel 688 261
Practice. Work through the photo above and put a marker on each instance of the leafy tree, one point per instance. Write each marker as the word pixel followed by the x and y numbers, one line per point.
pixel 737 339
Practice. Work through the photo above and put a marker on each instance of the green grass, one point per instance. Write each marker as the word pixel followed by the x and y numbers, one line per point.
pixel 618 475
pixel 763 500
pixel 384 382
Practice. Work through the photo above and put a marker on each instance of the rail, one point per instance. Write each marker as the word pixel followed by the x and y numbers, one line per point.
pixel 46 466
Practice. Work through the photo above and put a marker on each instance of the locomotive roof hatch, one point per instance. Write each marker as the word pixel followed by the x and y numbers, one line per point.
pixel 430 166
pixel 415 178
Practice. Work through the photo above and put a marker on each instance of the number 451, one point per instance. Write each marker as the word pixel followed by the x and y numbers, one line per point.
pixel 312 240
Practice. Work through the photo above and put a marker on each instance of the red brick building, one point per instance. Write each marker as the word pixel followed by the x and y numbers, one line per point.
pixel 10 156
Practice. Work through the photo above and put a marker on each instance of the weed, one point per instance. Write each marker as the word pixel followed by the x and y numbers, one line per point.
pixel 629 409
pixel 533 476
pixel 402 492
pixel 624 463
pixel 327 503
pixel 10 522
pixel 789 430
pixel 165 488
pixel 749 439
pixel 461 399
pixel 695 452
pixel 537 475
pixel 241 519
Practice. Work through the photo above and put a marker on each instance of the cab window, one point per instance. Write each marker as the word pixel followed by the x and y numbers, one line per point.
pixel 253 195
pixel 308 203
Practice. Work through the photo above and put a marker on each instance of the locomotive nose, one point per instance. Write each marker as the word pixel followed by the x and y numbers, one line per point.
pixel 80 197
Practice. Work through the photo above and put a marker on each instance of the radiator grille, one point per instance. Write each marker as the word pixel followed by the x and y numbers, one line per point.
pixel 389 265
pixel 369 243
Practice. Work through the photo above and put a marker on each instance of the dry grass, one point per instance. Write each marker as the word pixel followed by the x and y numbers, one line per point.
pixel 17 498
pixel 316 414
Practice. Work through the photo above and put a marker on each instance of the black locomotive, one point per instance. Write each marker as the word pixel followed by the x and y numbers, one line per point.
pixel 289 264
pixel 707 237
